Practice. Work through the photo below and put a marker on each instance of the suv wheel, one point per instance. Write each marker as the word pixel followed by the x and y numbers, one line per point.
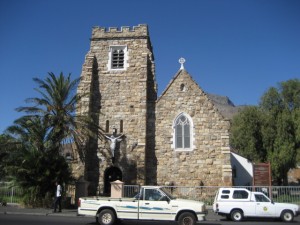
pixel 236 215
pixel 287 216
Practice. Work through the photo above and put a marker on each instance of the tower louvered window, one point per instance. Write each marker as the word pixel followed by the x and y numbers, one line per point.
pixel 117 59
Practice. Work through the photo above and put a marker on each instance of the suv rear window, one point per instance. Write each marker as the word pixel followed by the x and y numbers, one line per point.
pixel 225 191
pixel 240 194
pixel 225 194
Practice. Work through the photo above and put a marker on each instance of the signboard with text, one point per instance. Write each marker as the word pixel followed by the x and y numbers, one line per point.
pixel 261 174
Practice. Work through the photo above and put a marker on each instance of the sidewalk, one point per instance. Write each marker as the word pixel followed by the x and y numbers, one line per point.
pixel 17 209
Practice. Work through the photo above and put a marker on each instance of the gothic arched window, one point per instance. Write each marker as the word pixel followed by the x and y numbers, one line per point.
pixel 183 132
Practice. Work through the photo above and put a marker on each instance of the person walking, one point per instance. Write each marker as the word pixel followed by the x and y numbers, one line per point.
pixel 57 202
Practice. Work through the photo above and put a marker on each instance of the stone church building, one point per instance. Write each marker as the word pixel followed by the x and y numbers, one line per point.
pixel 178 138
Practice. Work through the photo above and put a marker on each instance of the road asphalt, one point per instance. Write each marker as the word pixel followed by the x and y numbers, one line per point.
pixel 17 209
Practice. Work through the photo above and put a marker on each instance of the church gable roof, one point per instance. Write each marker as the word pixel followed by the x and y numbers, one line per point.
pixel 181 72
pixel 222 104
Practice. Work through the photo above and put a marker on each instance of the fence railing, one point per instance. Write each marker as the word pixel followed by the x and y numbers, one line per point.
pixel 291 194
pixel 207 194
pixel 9 193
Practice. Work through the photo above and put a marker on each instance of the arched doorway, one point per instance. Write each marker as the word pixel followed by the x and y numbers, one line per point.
pixel 111 174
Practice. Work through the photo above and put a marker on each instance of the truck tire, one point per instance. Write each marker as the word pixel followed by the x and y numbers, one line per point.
pixel 106 217
pixel 287 216
pixel 187 218
pixel 236 215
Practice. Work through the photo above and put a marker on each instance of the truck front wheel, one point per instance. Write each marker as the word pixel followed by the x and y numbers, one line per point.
pixel 287 216
pixel 106 217
pixel 187 218
pixel 236 215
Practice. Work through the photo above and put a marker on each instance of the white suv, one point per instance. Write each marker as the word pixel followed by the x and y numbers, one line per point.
pixel 238 203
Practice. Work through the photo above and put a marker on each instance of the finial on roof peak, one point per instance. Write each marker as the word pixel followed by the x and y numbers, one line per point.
pixel 181 61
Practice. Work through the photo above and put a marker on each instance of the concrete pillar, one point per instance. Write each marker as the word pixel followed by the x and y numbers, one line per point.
pixel 117 189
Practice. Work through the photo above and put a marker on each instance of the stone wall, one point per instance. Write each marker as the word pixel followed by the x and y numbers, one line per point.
pixel 209 161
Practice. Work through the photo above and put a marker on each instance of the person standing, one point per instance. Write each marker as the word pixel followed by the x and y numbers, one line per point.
pixel 57 202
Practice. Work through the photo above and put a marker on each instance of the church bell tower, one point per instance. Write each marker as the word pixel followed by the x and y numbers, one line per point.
pixel 119 75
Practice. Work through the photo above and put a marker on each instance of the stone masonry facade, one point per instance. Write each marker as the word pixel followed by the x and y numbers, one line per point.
pixel 125 104
pixel 208 163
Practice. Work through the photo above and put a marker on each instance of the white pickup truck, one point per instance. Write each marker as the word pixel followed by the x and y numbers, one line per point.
pixel 152 203
pixel 238 203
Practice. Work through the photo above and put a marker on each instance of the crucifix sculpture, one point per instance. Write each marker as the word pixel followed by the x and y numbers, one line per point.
pixel 113 143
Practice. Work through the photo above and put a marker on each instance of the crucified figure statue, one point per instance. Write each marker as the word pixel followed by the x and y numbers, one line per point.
pixel 113 143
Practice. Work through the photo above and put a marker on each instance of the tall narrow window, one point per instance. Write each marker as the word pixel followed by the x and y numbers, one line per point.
pixel 121 126
pixel 234 171
pixel 107 126
pixel 182 133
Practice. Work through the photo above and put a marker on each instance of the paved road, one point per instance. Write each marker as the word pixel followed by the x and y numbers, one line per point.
pixel 14 215
pixel 19 219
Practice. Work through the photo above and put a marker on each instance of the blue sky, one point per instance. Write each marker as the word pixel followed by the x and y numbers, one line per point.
pixel 234 48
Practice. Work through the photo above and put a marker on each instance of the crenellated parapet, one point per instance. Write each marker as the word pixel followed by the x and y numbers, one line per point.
pixel 113 32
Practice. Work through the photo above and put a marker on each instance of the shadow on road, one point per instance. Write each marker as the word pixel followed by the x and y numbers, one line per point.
pixel 141 222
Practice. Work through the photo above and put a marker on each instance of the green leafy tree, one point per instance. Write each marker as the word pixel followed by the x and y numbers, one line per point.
pixel 282 154
pixel 246 134
pixel 281 106
pixel 271 131
pixel 296 119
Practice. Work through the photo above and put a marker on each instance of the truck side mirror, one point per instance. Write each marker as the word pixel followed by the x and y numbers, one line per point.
pixel 165 198
pixel 138 197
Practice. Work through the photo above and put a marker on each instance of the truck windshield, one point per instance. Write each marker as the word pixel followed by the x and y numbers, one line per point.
pixel 165 190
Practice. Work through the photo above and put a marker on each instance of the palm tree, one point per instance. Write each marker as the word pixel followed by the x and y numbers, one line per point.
pixel 33 165
pixel 57 105
pixel 36 160
pixel 7 146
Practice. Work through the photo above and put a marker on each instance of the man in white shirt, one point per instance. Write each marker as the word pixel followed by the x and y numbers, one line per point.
pixel 57 201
